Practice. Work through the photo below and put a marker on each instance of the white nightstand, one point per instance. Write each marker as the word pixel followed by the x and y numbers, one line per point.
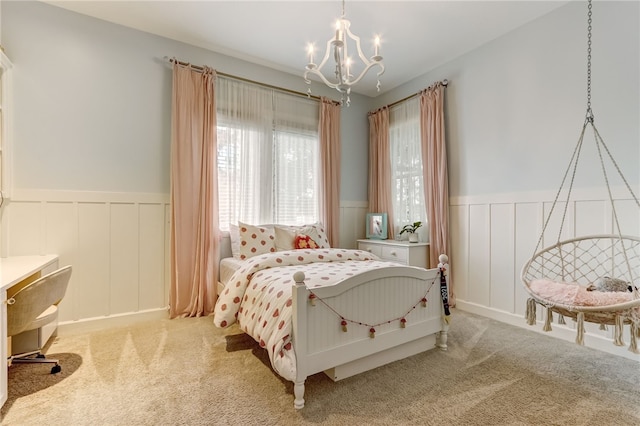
pixel 413 254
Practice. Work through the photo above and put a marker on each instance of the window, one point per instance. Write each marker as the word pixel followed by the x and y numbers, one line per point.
pixel 268 155
pixel 407 185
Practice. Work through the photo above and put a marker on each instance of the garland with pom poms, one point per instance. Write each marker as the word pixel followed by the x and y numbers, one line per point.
pixel 344 321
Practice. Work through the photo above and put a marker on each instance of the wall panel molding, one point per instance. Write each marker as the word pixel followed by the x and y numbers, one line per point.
pixel 493 237
pixel 118 244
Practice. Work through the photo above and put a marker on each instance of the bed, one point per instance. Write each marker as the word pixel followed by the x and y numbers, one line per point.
pixel 337 311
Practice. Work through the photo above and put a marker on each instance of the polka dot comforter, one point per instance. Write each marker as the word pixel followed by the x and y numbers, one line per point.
pixel 258 295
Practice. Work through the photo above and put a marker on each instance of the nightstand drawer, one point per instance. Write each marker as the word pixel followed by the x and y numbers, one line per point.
pixel 397 254
pixel 413 254
pixel 371 248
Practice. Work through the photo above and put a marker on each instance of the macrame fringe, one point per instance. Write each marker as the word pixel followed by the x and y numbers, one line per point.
pixel 561 319
pixel 580 335
pixel 633 346
pixel 617 334
pixel 530 314
pixel 547 322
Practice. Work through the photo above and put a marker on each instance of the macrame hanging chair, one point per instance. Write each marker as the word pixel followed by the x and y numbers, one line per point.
pixel 562 277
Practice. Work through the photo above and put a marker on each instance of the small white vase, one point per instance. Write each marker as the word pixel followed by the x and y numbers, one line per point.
pixel 413 238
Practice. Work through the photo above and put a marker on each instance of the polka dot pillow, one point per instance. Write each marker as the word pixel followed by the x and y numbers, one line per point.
pixel 255 240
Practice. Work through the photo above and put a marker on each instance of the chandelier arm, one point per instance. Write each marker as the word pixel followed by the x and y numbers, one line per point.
pixel 327 53
pixel 315 70
pixel 364 71
pixel 345 47
pixel 338 59
pixel 322 77
pixel 357 41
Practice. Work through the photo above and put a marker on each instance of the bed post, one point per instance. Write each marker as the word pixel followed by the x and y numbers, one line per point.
pixel 299 336
pixel 443 266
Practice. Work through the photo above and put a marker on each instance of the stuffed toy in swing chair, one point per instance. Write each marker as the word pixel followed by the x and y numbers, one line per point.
pixel 611 284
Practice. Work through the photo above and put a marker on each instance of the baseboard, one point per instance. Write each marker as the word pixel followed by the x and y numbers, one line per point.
pixel 559 331
pixel 88 325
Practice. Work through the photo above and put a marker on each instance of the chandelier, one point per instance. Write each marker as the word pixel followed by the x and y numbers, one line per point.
pixel 338 47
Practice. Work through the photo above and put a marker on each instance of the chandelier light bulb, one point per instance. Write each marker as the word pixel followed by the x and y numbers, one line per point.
pixel 310 49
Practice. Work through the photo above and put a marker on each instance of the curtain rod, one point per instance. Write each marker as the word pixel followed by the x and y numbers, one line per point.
pixel 444 83
pixel 246 80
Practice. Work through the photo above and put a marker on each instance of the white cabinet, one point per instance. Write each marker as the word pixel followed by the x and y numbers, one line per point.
pixel 413 254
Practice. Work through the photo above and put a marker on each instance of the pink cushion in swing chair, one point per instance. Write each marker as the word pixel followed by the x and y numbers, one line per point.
pixel 574 294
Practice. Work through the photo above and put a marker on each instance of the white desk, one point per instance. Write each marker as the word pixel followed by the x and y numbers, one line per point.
pixel 14 271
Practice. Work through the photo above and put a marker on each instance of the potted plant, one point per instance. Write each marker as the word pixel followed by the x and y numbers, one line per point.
pixel 411 230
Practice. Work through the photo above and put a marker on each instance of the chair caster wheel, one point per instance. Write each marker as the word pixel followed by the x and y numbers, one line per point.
pixel 56 369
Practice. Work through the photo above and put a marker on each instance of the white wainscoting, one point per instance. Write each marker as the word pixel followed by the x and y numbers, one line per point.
pixel 353 216
pixel 118 244
pixel 494 235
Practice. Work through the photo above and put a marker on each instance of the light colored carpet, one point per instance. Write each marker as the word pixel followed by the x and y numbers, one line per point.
pixel 187 372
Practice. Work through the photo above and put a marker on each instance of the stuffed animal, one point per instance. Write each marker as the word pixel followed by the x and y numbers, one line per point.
pixel 610 284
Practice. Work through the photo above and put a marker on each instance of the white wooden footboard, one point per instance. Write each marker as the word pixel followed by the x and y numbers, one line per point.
pixel 373 306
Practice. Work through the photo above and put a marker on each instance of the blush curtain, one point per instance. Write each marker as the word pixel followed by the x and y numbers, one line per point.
pixel 380 167
pixel 436 181
pixel 194 198
pixel 329 135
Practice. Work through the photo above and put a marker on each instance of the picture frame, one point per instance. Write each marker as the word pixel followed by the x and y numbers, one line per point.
pixel 377 226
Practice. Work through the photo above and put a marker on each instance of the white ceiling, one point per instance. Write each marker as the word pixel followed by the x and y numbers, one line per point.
pixel 417 36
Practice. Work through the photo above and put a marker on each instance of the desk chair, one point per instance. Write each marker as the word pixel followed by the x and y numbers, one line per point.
pixel 34 306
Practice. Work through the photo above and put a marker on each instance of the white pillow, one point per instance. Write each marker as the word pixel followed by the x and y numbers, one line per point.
pixel 234 236
pixel 285 236
pixel 255 240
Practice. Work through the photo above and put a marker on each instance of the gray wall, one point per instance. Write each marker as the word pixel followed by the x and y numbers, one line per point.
pixel 515 106
pixel 92 103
